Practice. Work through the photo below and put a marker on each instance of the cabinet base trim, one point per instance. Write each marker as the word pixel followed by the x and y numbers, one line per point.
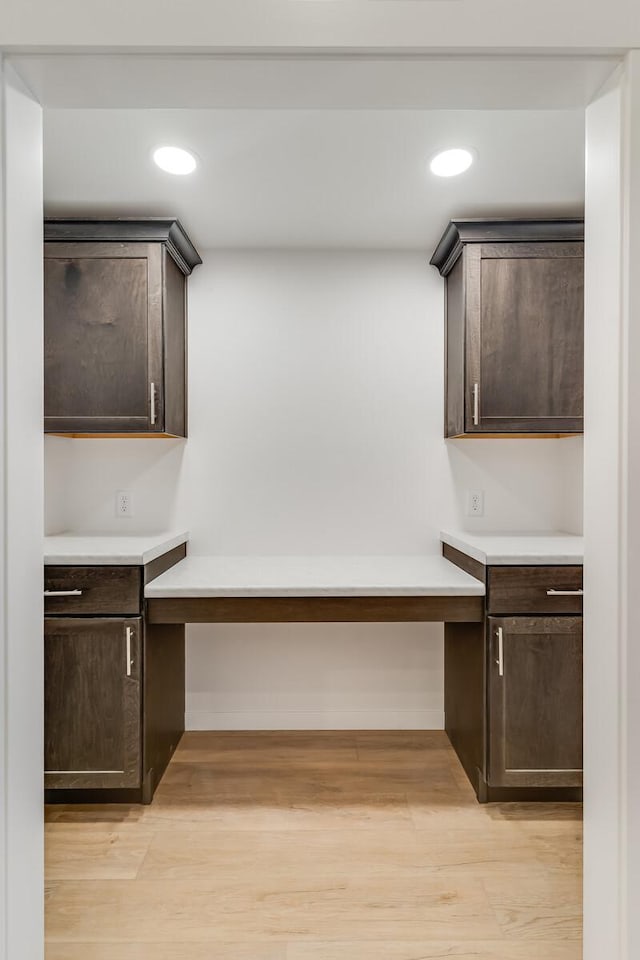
pixel 118 436
pixel 86 795
pixel 205 719
pixel 509 436
pixel 487 794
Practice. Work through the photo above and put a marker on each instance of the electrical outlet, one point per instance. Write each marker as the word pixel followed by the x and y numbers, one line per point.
pixel 475 503
pixel 124 504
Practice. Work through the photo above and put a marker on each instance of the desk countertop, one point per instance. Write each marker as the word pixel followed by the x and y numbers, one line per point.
pixel 529 549
pixel 277 576
pixel 101 550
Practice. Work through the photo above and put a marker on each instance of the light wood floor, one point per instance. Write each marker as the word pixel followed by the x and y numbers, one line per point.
pixel 321 846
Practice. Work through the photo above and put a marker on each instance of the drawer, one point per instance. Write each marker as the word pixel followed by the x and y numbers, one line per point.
pixel 534 590
pixel 92 590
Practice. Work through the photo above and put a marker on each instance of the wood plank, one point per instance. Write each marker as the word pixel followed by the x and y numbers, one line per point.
pixel 315 765
pixel 178 951
pixel 193 782
pixel 425 950
pixel 314 609
pixel 266 748
pixel 90 851
pixel 392 852
pixel 249 812
pixel 532 909
pixel 270 908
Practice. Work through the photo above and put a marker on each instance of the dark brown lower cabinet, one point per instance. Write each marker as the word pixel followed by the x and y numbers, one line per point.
pixel 93 702
pixel 114 684
pixel 513 683
pixel 535 701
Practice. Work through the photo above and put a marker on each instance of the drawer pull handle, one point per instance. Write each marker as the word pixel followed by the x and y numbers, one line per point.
pixel 129 633
pixel 500 660
pixel 152 389
pixel 63 593
pixel 565 593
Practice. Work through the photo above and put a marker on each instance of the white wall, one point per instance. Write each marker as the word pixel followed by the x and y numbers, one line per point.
pixel 315 426
pixel 21 517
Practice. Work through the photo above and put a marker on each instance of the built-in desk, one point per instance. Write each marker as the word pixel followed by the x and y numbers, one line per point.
pixel 489 692
pixel 304 589
pixel 117 609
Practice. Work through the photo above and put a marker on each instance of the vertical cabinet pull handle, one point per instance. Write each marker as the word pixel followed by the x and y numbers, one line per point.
pixel 129 634
pixel 500 660
pixel 476 404
pixel 153 404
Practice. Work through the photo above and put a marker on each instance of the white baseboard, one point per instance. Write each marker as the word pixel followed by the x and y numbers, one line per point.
pixel 316 720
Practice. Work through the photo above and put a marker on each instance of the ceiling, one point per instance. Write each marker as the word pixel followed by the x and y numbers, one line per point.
pixel 321 178
pixel 338 81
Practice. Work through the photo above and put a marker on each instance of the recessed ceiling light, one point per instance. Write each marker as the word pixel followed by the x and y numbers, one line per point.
pixel 450 163
pixel 175 160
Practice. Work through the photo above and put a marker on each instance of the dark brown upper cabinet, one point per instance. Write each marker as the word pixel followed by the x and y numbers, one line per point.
pixel 514 326
pixel 115 294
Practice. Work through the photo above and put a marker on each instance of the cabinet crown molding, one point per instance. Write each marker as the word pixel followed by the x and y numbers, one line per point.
pixel 501 230
pixel 167 230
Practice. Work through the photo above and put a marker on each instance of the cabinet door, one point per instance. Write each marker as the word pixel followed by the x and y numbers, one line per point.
pixel 103 338
pixel 535 701
pixel 92 702
pixel 525 338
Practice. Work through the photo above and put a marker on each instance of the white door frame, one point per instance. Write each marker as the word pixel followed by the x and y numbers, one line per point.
pixel 612 519
pixel 612 522
pixel 21 522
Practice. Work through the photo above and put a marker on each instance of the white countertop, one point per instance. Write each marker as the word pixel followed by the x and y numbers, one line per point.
pixel 277 576
pixel 512 548
pixel 71 548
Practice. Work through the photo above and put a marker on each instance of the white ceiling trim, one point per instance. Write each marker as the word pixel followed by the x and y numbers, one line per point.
pixel 516 25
